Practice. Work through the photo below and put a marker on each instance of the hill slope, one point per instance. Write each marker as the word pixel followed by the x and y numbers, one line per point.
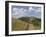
pixel 34 20
pixel 26 23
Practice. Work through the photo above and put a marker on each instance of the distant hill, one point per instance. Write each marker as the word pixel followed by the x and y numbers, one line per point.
pixel 34 20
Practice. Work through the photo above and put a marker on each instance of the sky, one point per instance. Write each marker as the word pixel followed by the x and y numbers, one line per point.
pixel 21 11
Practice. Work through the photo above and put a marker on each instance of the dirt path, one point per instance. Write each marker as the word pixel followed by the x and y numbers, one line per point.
pixel 31 27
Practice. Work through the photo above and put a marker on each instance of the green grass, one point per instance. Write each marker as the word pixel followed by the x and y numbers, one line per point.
pixel 35 21
pixel 18 25
pixel 23 23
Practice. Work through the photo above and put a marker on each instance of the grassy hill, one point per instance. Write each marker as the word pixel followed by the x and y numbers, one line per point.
pixel 34 20
pixel 26 23
pixel 18 25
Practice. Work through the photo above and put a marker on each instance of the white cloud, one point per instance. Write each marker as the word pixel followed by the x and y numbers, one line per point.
pixel 15 9
pixel 30 8
pixel 19 12
pixel 21 9
pixel 35 10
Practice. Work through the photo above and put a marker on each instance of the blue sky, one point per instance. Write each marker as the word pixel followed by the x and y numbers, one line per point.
pixel 20 11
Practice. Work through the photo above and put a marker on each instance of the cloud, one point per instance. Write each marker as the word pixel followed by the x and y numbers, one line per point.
pixel 30 8
pixel 20 12
pixel 35 9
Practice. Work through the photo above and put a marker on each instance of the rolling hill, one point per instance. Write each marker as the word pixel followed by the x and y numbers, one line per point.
pixel 34 20
pixel 26 23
